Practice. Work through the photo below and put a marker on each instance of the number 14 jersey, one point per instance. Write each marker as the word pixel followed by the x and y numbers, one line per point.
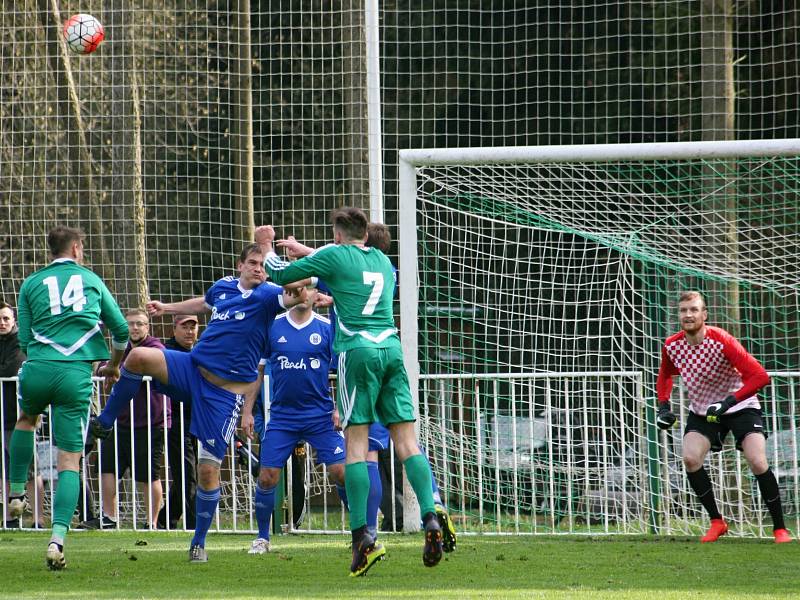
pixel 61 309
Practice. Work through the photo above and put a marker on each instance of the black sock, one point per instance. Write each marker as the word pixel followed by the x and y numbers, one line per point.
pixel 701 484
pixel 357 534
pixel 771 496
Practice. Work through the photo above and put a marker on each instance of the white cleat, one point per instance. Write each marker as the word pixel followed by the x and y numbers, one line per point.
pixel 17 505
pixel 55 557
pixel 259 546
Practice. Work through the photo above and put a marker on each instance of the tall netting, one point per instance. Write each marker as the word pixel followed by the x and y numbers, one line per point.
pixel 195 120
pixel 189 123
pixel 572 270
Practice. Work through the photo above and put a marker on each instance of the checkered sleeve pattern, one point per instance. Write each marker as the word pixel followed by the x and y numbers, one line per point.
pixel 707 373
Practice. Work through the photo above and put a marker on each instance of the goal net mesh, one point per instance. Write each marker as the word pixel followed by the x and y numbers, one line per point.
pixel 574 269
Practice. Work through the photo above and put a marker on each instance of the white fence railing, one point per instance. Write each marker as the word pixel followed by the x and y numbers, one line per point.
pixel 512 453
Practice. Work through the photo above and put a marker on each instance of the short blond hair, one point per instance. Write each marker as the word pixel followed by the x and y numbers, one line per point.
pixel 691 295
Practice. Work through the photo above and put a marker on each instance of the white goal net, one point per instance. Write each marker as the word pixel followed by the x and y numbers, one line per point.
pixel 537 286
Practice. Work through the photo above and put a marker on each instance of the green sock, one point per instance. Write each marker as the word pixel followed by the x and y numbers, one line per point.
pixel 356 482
pixel 418 472
pixel 65 501
pixel 20 450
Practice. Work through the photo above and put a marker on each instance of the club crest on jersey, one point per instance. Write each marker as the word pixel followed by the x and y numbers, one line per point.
pixel 285 363
pixel 315 339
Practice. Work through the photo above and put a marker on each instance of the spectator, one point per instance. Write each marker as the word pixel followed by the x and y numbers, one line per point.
pixel 11 358
pixel 132 453
pixel 183 471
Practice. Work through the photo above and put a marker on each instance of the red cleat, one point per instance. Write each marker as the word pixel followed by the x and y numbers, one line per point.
pixel 782 536
pixel 718 528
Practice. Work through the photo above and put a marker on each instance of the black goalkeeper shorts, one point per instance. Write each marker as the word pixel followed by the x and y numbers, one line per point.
pixel 741 422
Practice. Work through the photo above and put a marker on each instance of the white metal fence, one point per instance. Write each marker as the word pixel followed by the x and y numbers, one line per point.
pixel 512 453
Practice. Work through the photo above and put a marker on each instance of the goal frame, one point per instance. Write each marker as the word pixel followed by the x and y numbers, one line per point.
pixel 411 159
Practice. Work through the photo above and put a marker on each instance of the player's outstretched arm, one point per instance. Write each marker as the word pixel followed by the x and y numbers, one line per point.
pixel 110 370
pixel 194 306
pixel 294 297
pixel 293 248
pixel 264 236
pixel 323 300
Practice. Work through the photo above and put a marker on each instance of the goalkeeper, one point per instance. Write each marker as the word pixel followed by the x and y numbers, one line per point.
pixel 722 380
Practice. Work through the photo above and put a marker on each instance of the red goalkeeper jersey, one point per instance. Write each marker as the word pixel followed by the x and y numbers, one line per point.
pixel 711 371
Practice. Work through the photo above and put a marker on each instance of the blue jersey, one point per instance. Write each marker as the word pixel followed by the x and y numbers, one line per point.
pixel 236 334
pixel 299 359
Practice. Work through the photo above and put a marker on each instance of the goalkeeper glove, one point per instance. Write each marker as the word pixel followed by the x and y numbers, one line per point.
pixel 665 418
pixel 716 410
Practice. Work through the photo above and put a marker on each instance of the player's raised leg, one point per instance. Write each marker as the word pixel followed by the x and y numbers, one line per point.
pixel 139 362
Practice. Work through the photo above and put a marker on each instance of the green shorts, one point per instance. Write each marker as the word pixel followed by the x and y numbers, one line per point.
pixel 373 386
pixel 67 387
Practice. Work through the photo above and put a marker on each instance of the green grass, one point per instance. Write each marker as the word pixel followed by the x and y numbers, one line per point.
pixel 153 565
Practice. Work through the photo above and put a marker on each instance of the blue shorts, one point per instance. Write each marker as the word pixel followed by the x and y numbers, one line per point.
pixel 215 411
pixel 378 437
pixel 281 438
pixel 173 392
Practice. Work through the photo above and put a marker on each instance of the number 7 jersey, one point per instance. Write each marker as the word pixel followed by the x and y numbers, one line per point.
pixel 61 307
pixel 361 281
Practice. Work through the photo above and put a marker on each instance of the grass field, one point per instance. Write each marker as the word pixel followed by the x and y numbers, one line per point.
pixel 138 565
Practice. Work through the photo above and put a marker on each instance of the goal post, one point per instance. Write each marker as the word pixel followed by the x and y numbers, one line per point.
pixel 565 259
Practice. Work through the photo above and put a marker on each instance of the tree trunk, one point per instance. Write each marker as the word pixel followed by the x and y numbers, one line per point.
pixel 242 129
pixel 127 198
pixel 718 108
pixel 354 105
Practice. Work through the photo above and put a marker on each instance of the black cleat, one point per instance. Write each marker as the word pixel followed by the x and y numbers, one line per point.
pixel 102 522
pixel 448 530
pixel 98 430
pixel 432 551
pixel 365 554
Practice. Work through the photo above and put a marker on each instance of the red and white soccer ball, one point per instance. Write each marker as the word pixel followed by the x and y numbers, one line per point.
pixel 83 33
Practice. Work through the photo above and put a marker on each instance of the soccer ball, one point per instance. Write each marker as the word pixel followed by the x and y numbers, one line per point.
pixel 83 33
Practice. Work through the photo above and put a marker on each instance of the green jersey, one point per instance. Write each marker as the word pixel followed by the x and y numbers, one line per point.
pixel 361 281
pixel 60 311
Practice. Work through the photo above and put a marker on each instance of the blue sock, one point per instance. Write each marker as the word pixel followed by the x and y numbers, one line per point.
pixel 265 505
pixel 437 497
pixel 206 502
pixel 374 498
pixel 121 394
pixel 342 491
